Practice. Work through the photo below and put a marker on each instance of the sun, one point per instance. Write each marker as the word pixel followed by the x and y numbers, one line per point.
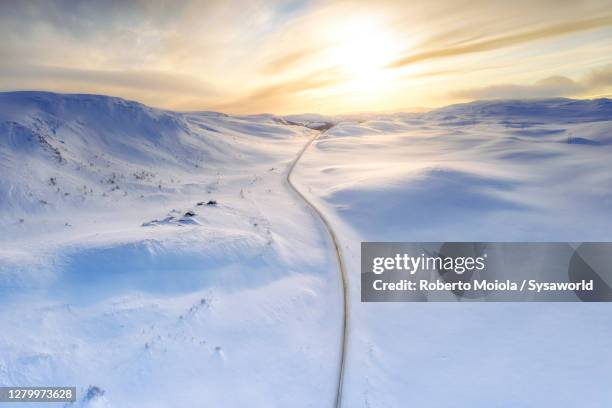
pixel 362 47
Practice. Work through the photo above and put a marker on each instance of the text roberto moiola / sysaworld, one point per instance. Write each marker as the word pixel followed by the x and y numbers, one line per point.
pixel 460 266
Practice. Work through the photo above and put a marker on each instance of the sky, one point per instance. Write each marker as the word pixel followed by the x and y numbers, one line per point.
pixel 297 56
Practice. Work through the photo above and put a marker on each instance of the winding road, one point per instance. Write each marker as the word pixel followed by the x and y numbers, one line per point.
pixel 341 268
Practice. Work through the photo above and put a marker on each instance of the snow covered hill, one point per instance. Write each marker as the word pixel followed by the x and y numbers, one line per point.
pixel 484 171
pixel 160 258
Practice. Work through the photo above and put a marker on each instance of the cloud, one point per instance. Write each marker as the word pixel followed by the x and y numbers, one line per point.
pixel 150 80
pixel 285 61
pixel 254 55
pixel 505 41
pixel 270 96
pixel 555 86
pixel 599 78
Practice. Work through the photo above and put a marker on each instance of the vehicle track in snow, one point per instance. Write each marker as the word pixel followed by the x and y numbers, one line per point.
pixel 341 268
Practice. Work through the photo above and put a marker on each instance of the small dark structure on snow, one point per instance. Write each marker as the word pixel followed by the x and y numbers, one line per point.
pixel 210 203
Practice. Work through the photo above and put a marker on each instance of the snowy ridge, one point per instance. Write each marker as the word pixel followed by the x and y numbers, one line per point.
pixel 147 251
pixel 95 138
pixel 560 110
pixel 536 170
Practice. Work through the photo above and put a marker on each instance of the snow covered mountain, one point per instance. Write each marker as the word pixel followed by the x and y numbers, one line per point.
pixel 157 258
pixel 96 140
pixel 484 171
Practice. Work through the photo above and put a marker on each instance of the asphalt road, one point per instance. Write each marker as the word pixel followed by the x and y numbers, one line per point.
pixel 341 269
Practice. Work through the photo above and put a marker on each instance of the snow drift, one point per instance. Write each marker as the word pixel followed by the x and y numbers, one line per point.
pixel 116 276
pixel 536 170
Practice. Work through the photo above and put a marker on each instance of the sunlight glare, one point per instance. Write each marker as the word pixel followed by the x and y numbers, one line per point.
pixel 363 47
